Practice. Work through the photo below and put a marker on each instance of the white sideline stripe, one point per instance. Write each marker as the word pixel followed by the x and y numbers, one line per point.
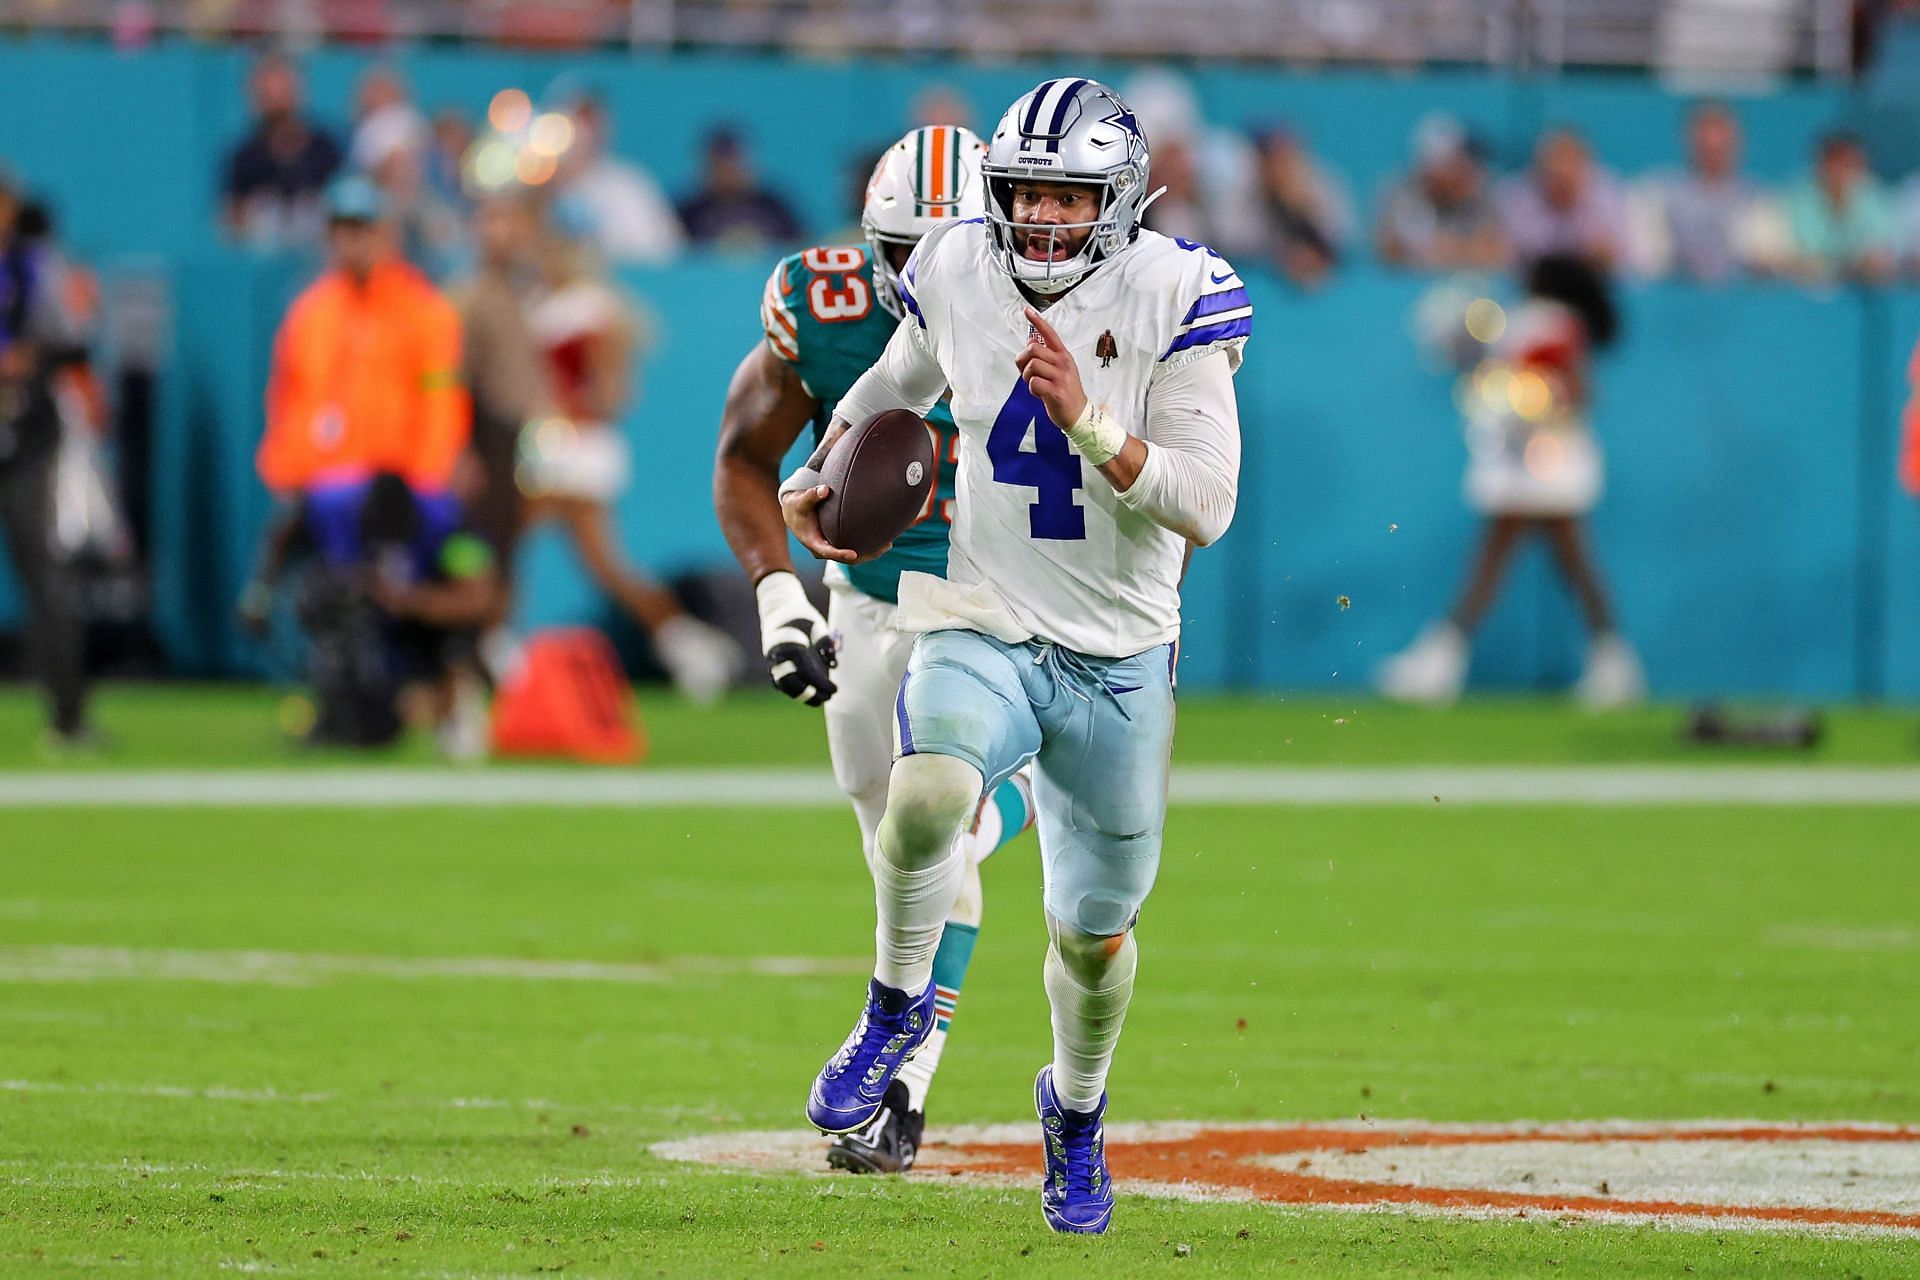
pixel 301 969
pixel 1590 786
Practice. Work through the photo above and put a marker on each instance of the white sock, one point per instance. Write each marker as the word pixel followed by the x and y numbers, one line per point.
pixel 1089 991
pixel 913 909
pixel 918 865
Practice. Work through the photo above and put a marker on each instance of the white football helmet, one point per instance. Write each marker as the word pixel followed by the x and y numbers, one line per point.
pixel 1067 130
pixel 927 179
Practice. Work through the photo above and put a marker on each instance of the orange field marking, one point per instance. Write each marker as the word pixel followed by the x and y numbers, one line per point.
pixel 1823 1177
pixel 1225 1158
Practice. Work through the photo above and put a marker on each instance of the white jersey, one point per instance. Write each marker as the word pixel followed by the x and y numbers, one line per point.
pixel 1042 545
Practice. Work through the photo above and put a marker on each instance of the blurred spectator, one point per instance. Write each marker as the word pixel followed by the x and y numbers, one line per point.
pixel 446 155
pixel 1710 223
pixel 366 366
pixel 854 178
pixel 1307 214
pixel 731 210
pixel 1565 204
pixel 941 104
pixel 573 465
pixel 1534 471
pixel 630 219
pixel 504 374
pixel 275 177
pixel 383 112
pixel 1843 221
pixel 1210 173
pixel 393 147
pixel 1908 213
pixel 1441 217
pixel 88 525
pixel 36 333
pixel 1181 207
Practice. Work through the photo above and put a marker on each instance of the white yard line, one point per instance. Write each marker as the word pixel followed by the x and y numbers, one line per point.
pixel 1585 786
pixel 302 969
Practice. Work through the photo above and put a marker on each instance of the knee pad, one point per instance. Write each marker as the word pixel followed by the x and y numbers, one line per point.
pixel 929 799
pixel 1102 913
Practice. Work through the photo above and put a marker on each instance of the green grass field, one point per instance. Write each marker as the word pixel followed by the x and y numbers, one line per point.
pixel 322 1041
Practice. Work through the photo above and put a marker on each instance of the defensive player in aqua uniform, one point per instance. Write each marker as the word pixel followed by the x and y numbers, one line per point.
pixel 828 313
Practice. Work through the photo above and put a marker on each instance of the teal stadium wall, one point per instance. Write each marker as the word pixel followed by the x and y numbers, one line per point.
pixel 1752 528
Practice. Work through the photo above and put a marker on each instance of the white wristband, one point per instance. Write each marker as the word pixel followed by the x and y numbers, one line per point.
pixel 804 478
pixel 1095 436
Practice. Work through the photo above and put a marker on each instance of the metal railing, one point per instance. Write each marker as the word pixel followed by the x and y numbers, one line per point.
pixel 1684 37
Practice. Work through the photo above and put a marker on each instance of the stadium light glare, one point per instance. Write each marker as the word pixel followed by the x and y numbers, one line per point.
pixel 1544 456
pixel 1529 395
pixel 509 111
pixel 534 169
pixel 550 135
pixel 491 165
pixel 1486 320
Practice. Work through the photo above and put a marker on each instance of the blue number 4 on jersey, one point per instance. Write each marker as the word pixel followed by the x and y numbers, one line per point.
pixel 1051 467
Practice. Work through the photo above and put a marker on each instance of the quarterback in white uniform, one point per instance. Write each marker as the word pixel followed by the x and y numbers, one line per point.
pixel 1090 364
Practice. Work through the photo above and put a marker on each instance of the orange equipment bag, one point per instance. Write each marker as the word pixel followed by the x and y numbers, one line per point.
pixel 568 699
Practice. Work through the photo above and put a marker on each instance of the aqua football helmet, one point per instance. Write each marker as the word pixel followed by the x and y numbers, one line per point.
pixel 1066 130
pixel 929 178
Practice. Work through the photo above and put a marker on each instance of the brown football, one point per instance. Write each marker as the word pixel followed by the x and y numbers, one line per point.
pixel 880 474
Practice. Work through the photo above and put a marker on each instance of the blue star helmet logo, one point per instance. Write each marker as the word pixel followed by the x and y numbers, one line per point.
pixel 1124 118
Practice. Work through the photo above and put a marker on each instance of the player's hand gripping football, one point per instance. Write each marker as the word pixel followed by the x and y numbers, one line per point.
pixel 1051 373
pixel 799 649
pixel 800 502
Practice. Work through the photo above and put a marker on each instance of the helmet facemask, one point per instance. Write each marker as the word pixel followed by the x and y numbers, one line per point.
pixel 1069 132
pixel 886 279
pixel 1051 276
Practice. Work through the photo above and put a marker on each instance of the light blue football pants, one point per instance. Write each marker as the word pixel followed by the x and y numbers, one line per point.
pixel 1100 734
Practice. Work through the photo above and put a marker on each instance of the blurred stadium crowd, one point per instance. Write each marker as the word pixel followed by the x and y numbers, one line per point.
pixel 1738 36
pixel 1274 196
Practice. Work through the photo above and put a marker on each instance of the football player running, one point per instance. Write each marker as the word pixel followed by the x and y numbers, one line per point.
pixel 827 315
pixel 1090 364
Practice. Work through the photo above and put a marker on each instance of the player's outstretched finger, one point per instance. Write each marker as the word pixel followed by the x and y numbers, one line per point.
pixel 1045 330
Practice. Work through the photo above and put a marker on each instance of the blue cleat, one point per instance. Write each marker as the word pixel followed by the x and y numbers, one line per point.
pixel 1077 1196
pixel 852 1087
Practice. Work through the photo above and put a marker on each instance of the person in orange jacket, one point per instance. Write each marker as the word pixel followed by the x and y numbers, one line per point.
pixel 366 402
pixel 366 366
